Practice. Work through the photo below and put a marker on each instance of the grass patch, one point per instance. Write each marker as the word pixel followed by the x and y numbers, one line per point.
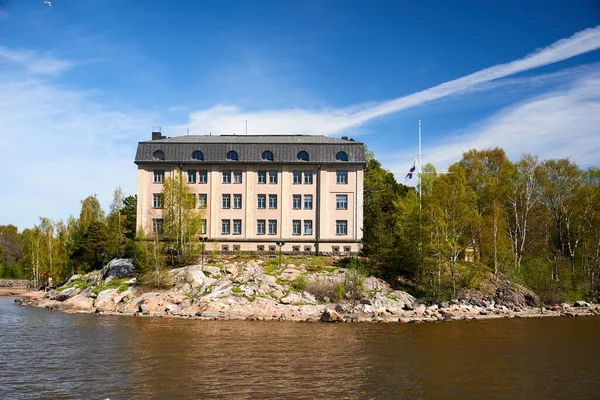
pixel 118 284
pixel 300 283
pixel 237 290
pixel 75 283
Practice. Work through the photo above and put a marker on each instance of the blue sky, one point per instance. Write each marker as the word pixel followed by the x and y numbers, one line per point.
pixel 83 81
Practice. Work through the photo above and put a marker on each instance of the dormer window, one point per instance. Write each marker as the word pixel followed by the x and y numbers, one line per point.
pixel 198 155
pixel 267 156
pixel 232 156
pixel 158 155
pixel 303 156
pixel 341 156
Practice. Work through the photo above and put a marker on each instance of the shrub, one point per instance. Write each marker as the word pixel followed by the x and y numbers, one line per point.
pixel 300 283
pixel 353 282
pixel 321 289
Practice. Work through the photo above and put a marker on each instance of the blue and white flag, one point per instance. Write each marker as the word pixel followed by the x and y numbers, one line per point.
pixel 410 171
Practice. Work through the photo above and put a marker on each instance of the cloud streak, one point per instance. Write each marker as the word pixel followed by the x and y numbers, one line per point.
pixel 230 118
pixel 562 123
pixel 33 61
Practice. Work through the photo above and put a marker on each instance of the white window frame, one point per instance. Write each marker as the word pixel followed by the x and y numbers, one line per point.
pixel 237 226
pixel 341 200
pixel 308 197
pixel 203 176
pixel 226 199
pixel 272 202
pixel 237 198
pixel 225 223
pixel 262 197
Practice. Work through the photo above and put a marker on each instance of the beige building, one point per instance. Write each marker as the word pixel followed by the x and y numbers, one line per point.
pixel 306 191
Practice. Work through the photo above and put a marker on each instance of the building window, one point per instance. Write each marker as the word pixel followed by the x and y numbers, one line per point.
pixel 273 177
pixel 202 176
pixel 296 227
pixel 308 175
pixel 336 249
pixel 191 203
pixel 308 201
pixel 225 226
pixel 158 155
pixel 341 227
pixel 237 176
pixel 226 176
pixel 297 201
pixel 157 226
pixel 159 176
pixel 237 201
pixel 232 156
pixel 262 176
pixel 237 226
pixel 260 247
pixel 202 200
pixel 303 156
pixel 191 176
pixel 308 227
pixel 341 201
pixel 297 177
pixel 341 177
pixel 226 203
pixel 267 156
pixel 296 249
pixel 224 247
pixel 157 200
pixel 347 249
pixel 271 248
pixel 203 227
pixel 260 227
pixel 236 247
pixel 273 201
pixel 262 201
pixel 341 156
pixel 307 249
pixel 198 155
pixel 272 227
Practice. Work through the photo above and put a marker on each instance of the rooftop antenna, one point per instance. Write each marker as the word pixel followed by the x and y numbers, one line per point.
pixel 188 132
pixel 246 127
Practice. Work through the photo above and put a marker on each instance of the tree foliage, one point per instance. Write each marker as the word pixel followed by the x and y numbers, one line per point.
pixel 535 222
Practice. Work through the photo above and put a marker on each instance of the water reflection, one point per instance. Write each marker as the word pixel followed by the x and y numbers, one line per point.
pixel 53 355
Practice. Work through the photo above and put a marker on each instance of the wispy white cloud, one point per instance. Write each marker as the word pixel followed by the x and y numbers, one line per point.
pixel 562 123
pixel 230 118
pixel 33 61
pixel 60 145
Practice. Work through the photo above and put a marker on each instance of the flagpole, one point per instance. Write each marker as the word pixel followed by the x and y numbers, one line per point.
pixel 420 211
pixel 420 171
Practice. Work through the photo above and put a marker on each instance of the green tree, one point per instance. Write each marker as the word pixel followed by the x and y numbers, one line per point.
pixel 182 220
pixel 381 191
pixel 453 215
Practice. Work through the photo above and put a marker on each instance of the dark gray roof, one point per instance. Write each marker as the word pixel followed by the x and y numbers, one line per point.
pixel 254 139
pixel 321 149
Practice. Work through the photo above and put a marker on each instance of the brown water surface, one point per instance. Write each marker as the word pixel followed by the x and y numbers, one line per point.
pixel 62 356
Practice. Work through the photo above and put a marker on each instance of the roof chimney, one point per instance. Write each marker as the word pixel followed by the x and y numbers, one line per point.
pixel 344 137
pixel 156 133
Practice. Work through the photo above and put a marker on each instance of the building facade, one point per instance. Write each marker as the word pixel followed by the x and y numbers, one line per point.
pixel 305 191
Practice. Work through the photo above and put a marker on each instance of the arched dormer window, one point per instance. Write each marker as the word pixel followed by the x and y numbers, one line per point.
pixel 267 156
pixel 158 155
pixel 341 156
pixel 198 155
pixel 232 156
pixel 303 156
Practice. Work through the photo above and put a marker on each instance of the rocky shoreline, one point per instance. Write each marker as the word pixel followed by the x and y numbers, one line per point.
pixel 256 291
